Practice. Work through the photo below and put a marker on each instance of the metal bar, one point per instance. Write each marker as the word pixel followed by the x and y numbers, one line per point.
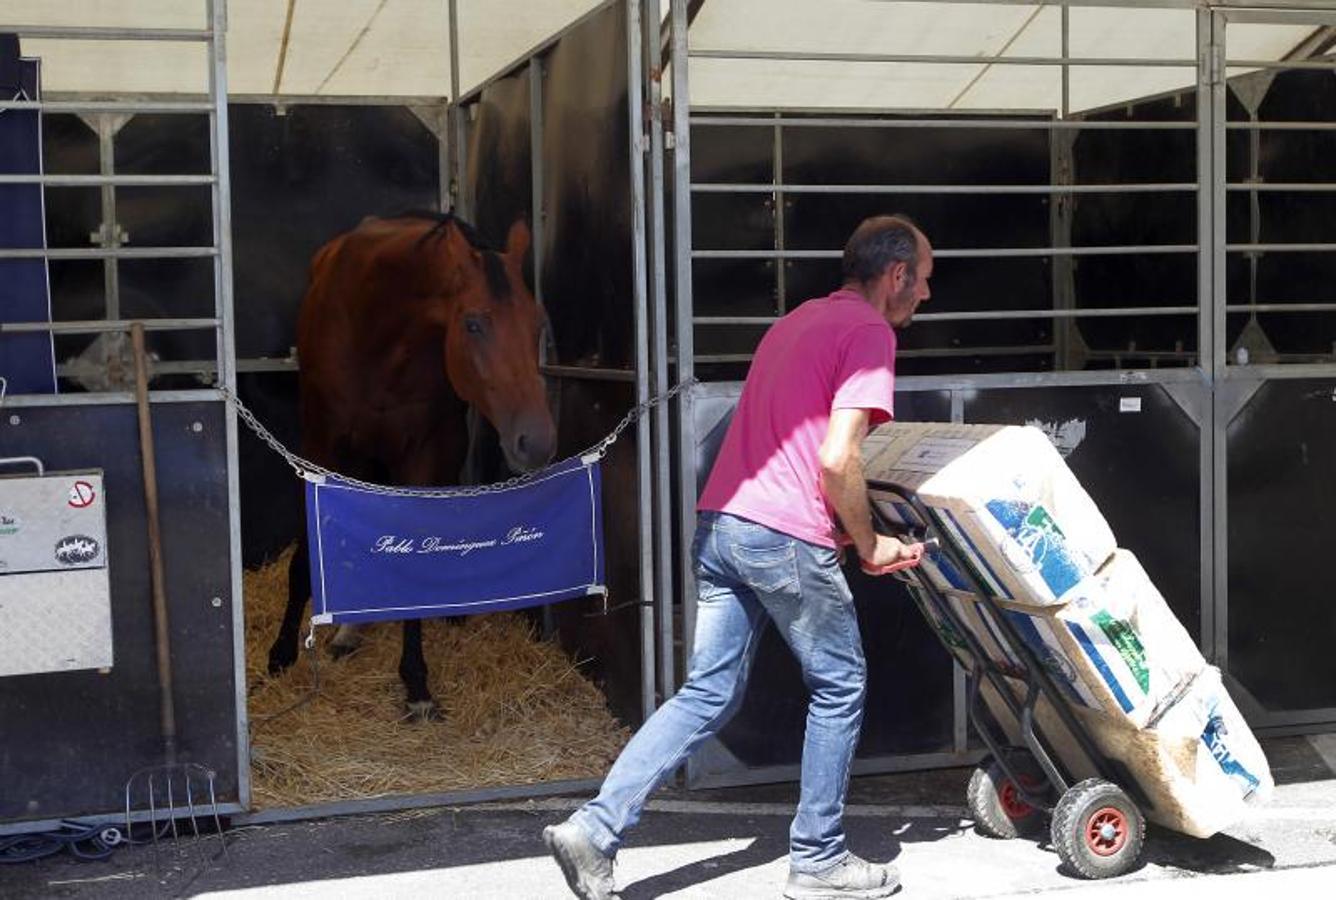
pixel 941 59
pixel 98 326
pixel 1280 307
pixel 1319 65
pixel 682 310
pixel 105 252
pixel 959 677
pixel 777 192
pixel 998 315
pixel 582 786
pixel 111 229
pixel 1279 371
pixel 110 180
pixel 582 373
pixel 456 117
pixel 1062 169
pixel 1279 248
pixel 1281 126
pixel 108 106
pixel 981 124
pixel 106 398
pixel 96 33
pixel 197 367
pixel 930 353
pixel 877 765
pixel 639 284
pixel 1041 189
pixel 1317 186
pixel 225 350
pixel 538 209
pixel 1207 218
pixel 989 253
pixel 1215 606
pixel 658 309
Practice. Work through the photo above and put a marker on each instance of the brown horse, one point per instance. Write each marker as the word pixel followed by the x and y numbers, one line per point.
pixel 408 322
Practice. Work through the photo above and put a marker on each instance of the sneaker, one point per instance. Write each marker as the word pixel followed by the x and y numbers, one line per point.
pixel 850 877
pixel 588 871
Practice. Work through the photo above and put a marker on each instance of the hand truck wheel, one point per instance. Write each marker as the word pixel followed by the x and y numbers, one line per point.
pixel 1097 829
pixel 996 805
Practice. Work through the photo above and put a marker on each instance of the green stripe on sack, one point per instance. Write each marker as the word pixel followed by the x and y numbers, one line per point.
pixel 1124 639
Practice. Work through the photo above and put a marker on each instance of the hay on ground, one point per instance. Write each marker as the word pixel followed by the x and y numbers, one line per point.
pixel 517 710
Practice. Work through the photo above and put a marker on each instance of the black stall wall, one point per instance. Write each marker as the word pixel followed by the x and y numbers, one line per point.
pixel 70 740
pixel 588 288
pixel 586 282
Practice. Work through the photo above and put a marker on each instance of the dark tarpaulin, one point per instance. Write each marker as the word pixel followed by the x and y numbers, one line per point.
pixel 26 360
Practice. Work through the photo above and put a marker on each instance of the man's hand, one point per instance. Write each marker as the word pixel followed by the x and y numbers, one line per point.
pixel 890 555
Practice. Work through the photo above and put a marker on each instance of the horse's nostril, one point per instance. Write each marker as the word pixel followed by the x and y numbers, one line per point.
pixel 522 444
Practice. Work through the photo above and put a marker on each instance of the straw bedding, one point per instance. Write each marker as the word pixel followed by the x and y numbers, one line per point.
pixel 517 710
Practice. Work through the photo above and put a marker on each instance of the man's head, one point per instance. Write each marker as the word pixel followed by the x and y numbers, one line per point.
pixel 889 261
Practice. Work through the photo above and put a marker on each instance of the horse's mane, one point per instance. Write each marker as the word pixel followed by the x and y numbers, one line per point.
pixel 443 220
pixel 496 278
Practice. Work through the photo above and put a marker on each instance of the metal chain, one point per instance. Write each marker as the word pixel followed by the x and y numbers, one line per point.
pixel 306 469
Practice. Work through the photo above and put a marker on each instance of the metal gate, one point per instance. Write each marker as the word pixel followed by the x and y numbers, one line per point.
pixel 1146 325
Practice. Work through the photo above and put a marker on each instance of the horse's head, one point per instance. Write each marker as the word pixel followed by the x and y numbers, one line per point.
pixel 493 328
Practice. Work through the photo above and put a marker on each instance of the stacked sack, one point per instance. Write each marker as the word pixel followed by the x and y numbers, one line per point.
pixel 1032 537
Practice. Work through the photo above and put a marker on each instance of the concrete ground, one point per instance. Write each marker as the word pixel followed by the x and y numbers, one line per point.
pixel 719 844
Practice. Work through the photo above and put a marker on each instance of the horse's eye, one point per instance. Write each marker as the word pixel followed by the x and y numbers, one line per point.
pixel 473 325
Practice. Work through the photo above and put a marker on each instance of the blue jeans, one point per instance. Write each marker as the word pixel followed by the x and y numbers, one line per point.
pixel 745 573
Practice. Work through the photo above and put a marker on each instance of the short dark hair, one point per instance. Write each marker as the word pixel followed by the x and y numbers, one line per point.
pixel 878 243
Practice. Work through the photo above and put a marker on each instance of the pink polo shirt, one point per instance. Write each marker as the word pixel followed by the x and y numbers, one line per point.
pixel 834 352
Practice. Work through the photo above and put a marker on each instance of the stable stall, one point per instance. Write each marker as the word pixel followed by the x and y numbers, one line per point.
pixel 1128 206
pixel 206 152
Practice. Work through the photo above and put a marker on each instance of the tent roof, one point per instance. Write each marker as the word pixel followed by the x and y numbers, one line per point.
pixel 401 48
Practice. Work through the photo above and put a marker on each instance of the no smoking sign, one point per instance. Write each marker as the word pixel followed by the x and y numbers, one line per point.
pixel 82 495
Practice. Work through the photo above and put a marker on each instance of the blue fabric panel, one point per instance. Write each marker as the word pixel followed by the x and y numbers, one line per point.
pixel 377 556
pixel 26 360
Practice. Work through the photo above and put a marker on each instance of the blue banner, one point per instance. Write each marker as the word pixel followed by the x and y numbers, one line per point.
pixel 377 556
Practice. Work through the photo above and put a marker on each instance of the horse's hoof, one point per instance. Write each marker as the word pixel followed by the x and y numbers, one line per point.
pixel 281 659
pixel 424 711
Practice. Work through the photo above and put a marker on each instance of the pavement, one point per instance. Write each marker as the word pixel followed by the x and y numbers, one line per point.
pixel 728 843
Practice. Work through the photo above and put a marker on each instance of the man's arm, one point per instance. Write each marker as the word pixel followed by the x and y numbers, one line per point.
pixel 842 479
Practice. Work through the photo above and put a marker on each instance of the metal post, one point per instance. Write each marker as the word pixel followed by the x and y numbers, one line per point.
pixel 658 317
pixel 538 208
pixel 781 265
pixel 220 159
pixel 456 118
pixel 644 471
pixel 109 234
pixel 960 731
pixel 683 312
pixel 1217 639
pixel 1067 341
pixel 1206 310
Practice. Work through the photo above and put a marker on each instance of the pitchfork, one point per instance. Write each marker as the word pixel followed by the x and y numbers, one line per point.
pixel 172 779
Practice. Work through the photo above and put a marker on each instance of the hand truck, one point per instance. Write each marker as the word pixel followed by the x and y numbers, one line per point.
pixel 1096 825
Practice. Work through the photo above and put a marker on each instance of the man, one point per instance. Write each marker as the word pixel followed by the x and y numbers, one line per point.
pixel 768 545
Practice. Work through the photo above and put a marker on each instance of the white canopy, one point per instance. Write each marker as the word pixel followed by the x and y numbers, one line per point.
pixel 401 48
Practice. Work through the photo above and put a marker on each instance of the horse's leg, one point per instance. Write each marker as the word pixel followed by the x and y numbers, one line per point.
pixel 413 673
pixel 283 652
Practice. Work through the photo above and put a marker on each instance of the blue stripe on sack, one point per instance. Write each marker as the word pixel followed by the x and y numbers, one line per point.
pixel 1100 665
pixel 1043 651
pixel 990 576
